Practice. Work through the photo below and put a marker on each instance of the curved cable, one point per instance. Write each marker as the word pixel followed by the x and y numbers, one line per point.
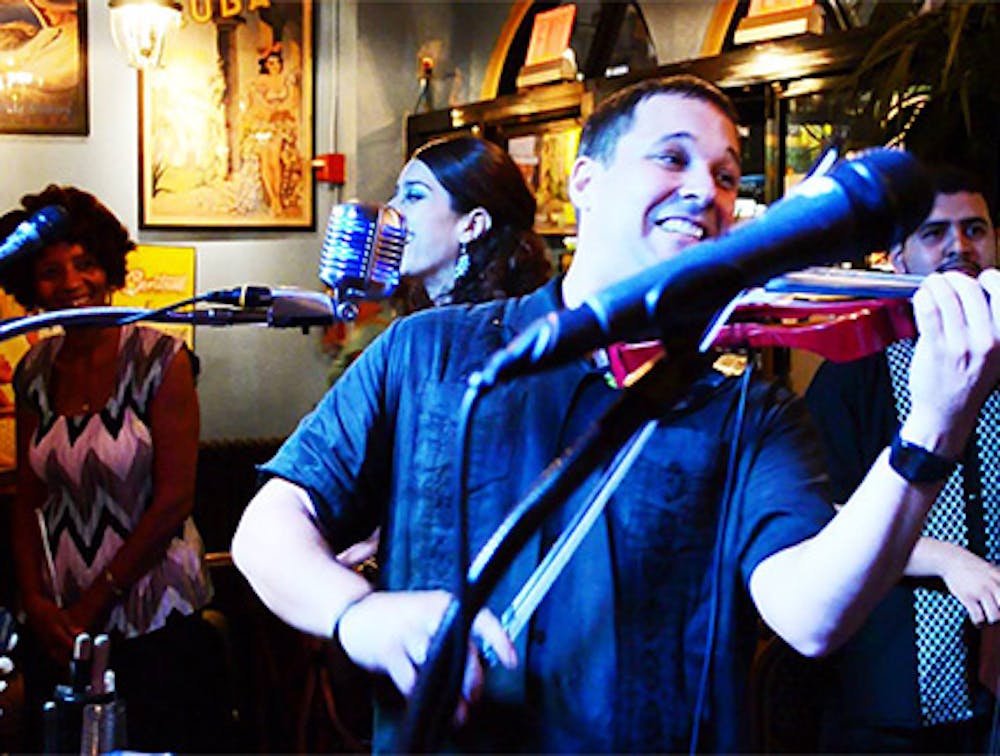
pixel 112 316
pixel 713 617
pixel 146 315
pixel 95 316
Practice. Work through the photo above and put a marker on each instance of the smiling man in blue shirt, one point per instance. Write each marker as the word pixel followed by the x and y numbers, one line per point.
pixel 613 658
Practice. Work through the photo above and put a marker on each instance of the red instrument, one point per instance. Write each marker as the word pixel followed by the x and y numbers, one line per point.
pixel 839 330
pixel 841 315
pixel 860 313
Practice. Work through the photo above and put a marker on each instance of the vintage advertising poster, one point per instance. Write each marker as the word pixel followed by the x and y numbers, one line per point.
pixel 226 122
pixel 43 66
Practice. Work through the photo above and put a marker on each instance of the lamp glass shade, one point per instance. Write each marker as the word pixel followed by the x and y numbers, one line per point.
pixel 139 29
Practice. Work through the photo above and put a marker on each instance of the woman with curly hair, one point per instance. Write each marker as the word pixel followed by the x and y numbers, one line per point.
pixel 107 444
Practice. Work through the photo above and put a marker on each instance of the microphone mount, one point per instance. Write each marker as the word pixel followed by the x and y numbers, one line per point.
pixel 286 308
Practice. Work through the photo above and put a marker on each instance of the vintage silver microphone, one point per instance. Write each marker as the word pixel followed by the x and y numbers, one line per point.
pixel 359 260
pixel 361 253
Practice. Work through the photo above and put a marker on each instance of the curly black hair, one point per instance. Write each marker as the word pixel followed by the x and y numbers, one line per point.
pixel 952 178
pixel 89 224
pixel 509 259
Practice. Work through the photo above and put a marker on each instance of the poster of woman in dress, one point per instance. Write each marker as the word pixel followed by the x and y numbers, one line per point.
pixel 43 67
pixel 227 120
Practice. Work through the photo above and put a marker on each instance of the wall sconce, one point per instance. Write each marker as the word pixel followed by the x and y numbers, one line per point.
pixel 139 28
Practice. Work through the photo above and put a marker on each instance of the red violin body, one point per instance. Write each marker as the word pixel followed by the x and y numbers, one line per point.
pixel 838 330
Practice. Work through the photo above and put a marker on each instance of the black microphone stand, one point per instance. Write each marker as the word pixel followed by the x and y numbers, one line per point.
pixel 666 383
pixel 280 314
pixel 111 316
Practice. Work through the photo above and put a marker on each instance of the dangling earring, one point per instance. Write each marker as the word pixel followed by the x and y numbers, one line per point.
pixel 462 262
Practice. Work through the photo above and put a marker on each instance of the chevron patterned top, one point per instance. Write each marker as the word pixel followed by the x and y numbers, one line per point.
pixel 98 469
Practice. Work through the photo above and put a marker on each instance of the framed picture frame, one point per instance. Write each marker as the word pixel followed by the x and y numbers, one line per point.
pixel 226 124
pixel 544 154
pixel 43 67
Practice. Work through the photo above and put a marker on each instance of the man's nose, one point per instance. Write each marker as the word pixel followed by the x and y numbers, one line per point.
pixel 959 242
pixel 699 185
pixel 71 278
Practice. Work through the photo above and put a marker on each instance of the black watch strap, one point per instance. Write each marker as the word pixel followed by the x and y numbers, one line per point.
pixel 918 465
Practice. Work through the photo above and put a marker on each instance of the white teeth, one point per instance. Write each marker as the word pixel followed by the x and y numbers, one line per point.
pixel 682 226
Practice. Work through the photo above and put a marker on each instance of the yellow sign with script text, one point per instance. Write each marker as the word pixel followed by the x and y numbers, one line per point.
pixel 159 276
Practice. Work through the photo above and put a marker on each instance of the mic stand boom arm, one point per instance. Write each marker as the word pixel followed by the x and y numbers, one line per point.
pixel 276 316
pixel 437 687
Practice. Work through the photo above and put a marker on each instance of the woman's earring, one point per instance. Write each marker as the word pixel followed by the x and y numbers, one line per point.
pixel 462 262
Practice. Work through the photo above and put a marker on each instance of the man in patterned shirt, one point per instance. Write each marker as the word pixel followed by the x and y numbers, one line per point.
pixel 925 625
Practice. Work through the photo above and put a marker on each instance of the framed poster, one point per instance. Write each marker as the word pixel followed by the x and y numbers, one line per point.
pixel 545 158
pixel 43 67
pixel 226 124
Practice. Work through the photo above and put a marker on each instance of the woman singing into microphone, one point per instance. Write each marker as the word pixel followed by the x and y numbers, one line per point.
pixel 469 218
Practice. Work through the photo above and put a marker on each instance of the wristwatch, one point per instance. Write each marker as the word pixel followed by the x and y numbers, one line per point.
pixel 918 465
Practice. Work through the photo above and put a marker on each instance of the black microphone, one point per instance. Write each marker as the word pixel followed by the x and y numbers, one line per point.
pixel 359 260
pixel 43 227
pixel 861 205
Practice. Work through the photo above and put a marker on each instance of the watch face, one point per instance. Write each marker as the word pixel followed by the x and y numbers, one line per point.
pixel 916 464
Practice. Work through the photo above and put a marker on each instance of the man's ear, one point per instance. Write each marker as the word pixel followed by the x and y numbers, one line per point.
pixel 581 177
pixel 475 223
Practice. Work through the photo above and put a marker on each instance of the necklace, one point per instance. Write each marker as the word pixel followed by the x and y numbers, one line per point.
pixel 86 369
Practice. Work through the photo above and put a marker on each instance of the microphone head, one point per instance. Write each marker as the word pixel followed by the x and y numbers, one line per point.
pixel 43 227
pixel 890 192
pixel 49 223
pixel 362 250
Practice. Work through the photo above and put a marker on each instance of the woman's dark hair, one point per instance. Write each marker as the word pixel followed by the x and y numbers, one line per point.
pixel 262 62
pixel 509 259
pixel 88 223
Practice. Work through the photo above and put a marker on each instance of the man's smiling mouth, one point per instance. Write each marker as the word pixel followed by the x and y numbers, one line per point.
pixel 682 226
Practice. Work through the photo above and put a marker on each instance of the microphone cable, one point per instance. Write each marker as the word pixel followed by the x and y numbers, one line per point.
pixel 242 297
pixel 147 314
pixel 725 506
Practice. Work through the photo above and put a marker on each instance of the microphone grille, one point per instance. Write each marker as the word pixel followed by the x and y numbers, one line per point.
pixel 362 250
pixel 51 221
pixel 45 226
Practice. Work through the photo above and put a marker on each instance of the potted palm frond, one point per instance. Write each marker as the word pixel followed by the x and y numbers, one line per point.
pixel 931 80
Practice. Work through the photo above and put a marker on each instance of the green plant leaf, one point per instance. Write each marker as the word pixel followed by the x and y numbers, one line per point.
pixel 956 26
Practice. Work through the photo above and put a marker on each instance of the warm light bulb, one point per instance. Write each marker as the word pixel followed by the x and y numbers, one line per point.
pixel 139 28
